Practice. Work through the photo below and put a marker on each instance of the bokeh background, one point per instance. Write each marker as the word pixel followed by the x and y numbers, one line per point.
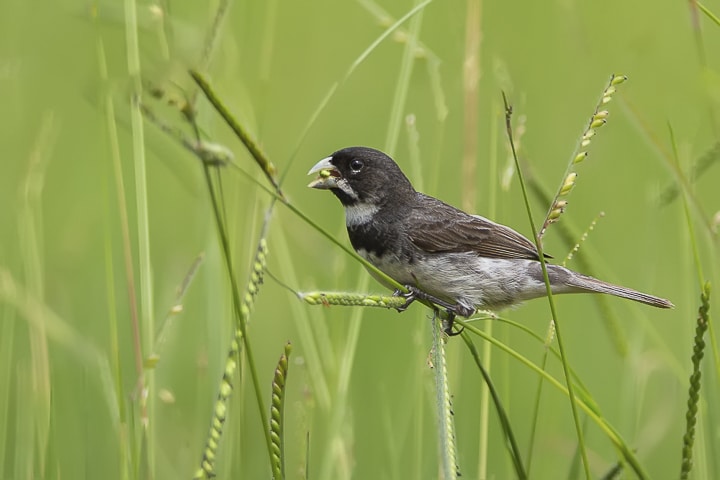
pixel 360 400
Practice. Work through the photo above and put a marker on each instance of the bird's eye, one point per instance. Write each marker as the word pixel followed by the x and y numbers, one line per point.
pixel 356 165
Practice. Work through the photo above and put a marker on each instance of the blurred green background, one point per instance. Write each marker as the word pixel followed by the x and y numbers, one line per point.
pixel 360 401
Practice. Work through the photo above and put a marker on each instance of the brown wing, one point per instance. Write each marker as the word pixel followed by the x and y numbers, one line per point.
pixel 438 227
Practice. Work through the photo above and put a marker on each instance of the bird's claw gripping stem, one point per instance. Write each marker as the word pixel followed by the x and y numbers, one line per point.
pixel 414 293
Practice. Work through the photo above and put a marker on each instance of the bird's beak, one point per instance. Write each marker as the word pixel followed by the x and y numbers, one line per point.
pixel 328 175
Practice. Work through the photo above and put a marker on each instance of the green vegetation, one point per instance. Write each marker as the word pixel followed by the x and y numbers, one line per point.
pixel 159 249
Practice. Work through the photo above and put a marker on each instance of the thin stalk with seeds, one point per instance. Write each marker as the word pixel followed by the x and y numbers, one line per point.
pixel 277 415
pixel 176 308
pixel 349 299
pixel 207 464
pixel 703 324
pixel 576 248
pixel 703 321
pixel 597 120
pixel 538 243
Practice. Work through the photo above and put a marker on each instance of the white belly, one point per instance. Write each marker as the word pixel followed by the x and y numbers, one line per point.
pixel 466 278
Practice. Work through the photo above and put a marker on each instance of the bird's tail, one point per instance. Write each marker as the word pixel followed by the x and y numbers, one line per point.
pixel 585 283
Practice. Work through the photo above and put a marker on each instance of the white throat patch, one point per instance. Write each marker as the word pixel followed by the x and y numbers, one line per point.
pixel 359 213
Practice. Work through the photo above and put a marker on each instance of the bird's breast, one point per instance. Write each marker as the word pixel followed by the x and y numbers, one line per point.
pixel 383 245
pixel 373 239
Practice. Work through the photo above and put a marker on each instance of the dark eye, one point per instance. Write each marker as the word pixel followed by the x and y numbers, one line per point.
pixel 356 165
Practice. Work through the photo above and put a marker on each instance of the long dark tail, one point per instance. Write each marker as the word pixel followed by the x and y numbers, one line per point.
pixel 589 284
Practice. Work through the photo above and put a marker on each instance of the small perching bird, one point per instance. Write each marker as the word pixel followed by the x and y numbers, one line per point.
pixel 458 261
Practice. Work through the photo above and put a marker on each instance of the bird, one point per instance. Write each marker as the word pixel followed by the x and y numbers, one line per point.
pixel 458 261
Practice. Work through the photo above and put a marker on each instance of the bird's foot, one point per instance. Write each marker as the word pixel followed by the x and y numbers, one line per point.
pixel 409 297
pixel 452 310
pixel 414 293
pixel 447 325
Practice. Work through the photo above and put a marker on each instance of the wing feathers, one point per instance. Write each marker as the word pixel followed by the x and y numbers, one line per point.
pixel 435 227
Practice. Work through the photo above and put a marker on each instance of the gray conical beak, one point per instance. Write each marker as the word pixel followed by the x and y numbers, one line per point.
pixel 328 175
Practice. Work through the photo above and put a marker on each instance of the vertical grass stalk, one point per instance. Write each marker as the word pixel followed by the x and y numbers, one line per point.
pixel 403 83
pixel 144 328
pixel 126 450
pixel 446 421
pixel 471 80
pixel 30 233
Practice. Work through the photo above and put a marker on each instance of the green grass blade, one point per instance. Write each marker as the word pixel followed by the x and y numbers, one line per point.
pixel 510 441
